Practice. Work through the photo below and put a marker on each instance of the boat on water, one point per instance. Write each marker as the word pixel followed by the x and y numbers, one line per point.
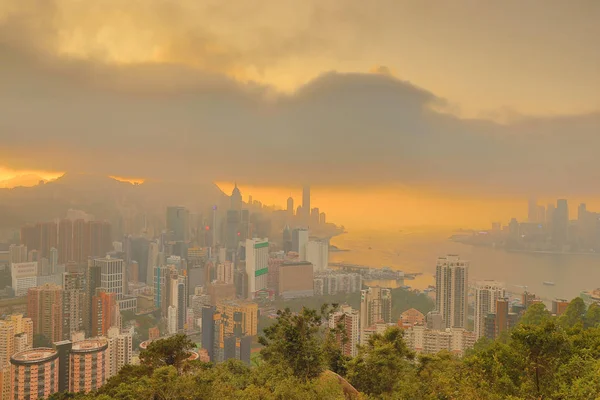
pixel 548 283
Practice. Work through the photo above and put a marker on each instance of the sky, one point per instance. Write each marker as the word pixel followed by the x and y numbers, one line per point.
pixel 397 112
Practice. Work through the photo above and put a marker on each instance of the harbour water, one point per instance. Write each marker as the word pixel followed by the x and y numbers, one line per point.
pixel 417 251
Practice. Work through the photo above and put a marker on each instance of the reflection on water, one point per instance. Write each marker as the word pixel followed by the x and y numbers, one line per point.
pixel 417 251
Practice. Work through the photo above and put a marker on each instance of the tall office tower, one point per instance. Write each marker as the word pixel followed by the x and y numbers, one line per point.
pixel 152 263
pixel 48 232
pixel 177 223
pixel 112 276
pixel 140 252
pixel 212 333
pixel 257 265
pixel 348 319
pixel 452 290
pixel 17 254
pixel 560 224
pixel 65 241
pixel 317 253
pixel 290 207
pixel 44 307
pixel 287 239
pixel 104 313
pixel 73 303
pixel 306 203
pixel 375 306
pixel 487 293
pixel 236 199
pixel 532 211
pixel 233 232
pixel 182 301
pixel 299 241
pixel 88 360
pixel 120 350
pixel 35 373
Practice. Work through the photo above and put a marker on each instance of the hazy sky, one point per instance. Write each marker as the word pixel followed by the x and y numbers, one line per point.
pixel 422 99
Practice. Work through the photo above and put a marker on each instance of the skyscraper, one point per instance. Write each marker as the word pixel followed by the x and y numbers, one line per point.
pixel 290 207
pixel 236 199
pixel 120 349
pixel 306 203
pixel 452 290
pixel 299 241
pixel 177 222
pixel 560 224
pixel 88 360
pixel 73 303
pixel 35 373
pixel 44 307
pixel 375 306
pixel 486 295
pixel 287 239
pixel 257 265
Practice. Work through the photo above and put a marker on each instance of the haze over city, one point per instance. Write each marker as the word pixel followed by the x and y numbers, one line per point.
pixel 446 115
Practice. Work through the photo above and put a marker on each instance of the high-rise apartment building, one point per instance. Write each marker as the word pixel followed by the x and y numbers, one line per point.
pixel 119 352
pixel 88 360
pixel 375 306
pixel 90 239
pixel 17 254
pixel 257 265
pixel 35 373
pixel 317 253
pixel 452 290
pixel 487 293
pixel 65 241
pixel 348 320
pixel 45 308
pixel 73 303
pixel 213 333
pixel 104 312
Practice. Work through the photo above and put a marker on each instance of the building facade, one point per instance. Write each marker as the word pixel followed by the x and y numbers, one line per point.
pixel 87 365
pixel 35 373
pixel 452 290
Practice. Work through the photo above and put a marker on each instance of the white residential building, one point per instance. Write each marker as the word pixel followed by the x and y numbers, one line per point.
pixel 375 306
pixel 24 276
pixel 172 320
pixel 452 290
pixel 317 253
pixel 486 295
pixel 119 352
pixel 428 341
pixel 349 318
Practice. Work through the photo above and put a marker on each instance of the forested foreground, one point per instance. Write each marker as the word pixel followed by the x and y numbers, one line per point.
pixel 544 357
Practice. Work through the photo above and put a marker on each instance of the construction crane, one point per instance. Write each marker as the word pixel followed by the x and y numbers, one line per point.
pixel 521 286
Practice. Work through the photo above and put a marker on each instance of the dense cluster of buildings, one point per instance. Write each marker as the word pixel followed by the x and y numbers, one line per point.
pixel 547 229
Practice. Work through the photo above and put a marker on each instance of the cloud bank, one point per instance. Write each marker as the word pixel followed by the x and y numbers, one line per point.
pixel 185 117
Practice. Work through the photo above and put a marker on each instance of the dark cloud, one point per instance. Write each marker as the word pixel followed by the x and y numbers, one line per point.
pixel 188 123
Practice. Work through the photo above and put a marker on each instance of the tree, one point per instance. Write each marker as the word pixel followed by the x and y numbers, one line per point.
pixel 536 314
pixel 294 343
pixel 380 364
pixel 573 314
pixel 544 347
pixel 171 351
pixel 592 316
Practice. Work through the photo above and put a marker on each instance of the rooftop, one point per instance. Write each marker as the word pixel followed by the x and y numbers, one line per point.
pixel 34 356
pixel 89 345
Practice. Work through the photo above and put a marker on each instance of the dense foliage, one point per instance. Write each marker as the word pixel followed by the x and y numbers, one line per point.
pixel 543 357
